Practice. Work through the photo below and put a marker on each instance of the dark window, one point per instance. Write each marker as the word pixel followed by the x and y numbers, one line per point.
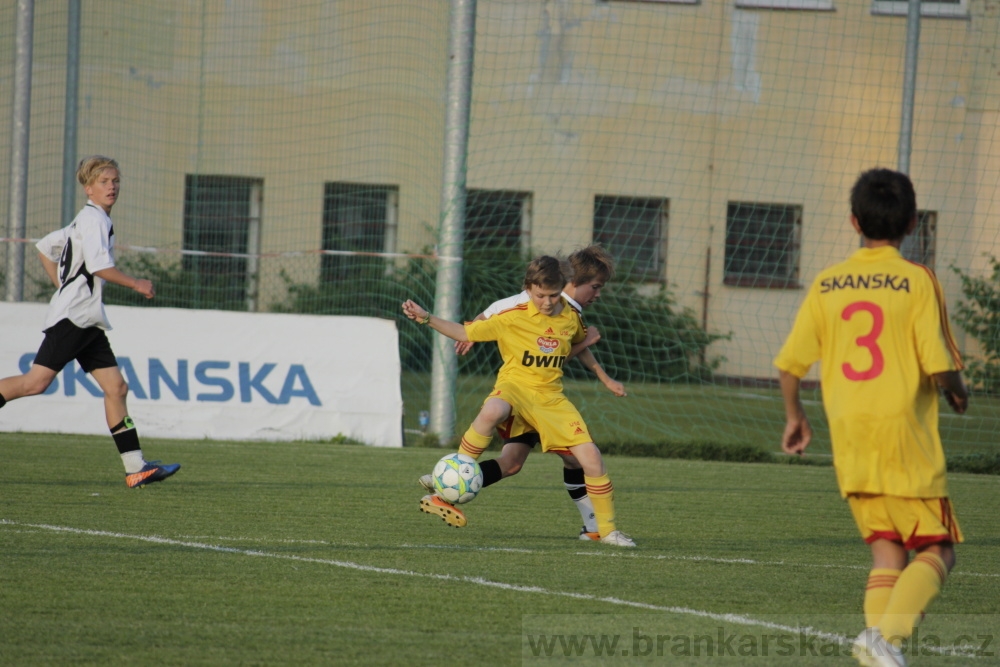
pixel 357 218
pixel 222 215
pixel 497 219
pixel 633 230
pixel 762 245
pixel 920 246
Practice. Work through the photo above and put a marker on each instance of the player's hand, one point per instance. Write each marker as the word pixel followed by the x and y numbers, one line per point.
pixel 958 403
pixel 616 387
pixel 145 288
pixel 797 435
pixel 463 346
pixel 412 310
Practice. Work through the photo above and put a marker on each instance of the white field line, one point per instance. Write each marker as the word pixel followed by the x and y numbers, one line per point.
pixel 737 619
pixel 751 561
pixel 462 547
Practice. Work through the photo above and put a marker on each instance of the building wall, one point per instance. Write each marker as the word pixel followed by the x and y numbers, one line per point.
pixel 700 104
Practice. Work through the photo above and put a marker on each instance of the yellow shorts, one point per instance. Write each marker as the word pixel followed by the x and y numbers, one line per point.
pixel 912 522
pixel 550 413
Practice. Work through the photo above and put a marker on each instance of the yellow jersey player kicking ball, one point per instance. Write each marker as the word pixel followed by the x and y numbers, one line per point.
pixel 534 340
pixel 591 268
pixel 877 324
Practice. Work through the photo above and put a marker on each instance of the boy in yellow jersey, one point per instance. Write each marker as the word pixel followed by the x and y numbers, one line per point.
pixel 590 269
pixel 534 339
pixel 878 324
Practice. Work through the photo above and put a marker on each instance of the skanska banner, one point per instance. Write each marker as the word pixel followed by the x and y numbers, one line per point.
pixel 221 375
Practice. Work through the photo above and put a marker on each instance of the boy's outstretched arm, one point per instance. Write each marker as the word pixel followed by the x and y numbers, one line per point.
pixel 954 390
pixel 419 315
pixel 51 269
pixel 798 432
pixel 462 347
pixel 587 358
pixel 593 335
pixel 140 285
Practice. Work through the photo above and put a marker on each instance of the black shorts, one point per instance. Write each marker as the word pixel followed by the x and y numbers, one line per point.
pixel 64 341
pixel 530 439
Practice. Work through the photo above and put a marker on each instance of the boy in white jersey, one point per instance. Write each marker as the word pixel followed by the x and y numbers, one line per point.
pixel 590 269
pixel 534 340
pixel 878 325
pixel 78 259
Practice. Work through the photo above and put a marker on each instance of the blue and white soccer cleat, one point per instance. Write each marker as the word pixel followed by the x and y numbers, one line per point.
pixel 153 471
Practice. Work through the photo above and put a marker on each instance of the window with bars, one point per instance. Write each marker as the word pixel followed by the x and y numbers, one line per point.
pixel 222 214
pixel 634 231
pixel 928 8
pixel 358 218
pixel 762 245
pixel 920 246
pixel 498 219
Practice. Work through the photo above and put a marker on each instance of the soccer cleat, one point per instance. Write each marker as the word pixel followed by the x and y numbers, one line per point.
pixel 151 472
pixel 452 516
pixel 427 481
pixel 872 650
pixel 618 539
pixel 587 537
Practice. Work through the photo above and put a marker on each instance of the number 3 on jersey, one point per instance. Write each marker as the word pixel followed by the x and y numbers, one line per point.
pixel 869 341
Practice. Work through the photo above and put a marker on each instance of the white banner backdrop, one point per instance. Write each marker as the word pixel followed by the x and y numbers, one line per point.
pixel 221 375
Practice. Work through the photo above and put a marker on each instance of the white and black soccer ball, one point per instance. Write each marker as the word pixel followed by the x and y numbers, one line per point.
pixel 457 478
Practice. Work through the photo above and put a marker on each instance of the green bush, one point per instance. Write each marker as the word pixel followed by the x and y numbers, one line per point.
pixel 644 338
pixel 979 316
pixel 175 287
pixel 648 338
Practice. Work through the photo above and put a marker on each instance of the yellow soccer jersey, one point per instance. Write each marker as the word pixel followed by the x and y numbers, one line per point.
pixel 879 325
pixel 533 346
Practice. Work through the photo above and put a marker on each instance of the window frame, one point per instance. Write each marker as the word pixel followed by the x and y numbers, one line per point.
pixel 791 5
pixel 524 224
pixel 658 272
pixel 921 245
pixel 757 281
pixel 928 9
pixel 329 272
pixel 193 261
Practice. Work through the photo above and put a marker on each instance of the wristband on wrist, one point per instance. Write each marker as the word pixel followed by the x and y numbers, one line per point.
pixel 425 320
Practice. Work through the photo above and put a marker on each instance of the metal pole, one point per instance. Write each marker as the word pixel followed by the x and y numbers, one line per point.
pixel 909 85
pixel 70 119
pixel 21 117
pixel 448 293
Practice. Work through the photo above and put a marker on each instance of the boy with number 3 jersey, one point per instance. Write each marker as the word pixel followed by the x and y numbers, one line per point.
pixel 878 326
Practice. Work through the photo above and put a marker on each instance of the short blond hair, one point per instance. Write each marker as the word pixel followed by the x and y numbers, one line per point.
pixel 546 272
pixel 91 167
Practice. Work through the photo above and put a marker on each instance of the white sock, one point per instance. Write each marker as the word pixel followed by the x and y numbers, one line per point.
pixel 586 508
pixel 133 461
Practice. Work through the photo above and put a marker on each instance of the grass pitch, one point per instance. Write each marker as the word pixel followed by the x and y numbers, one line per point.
pixel 304 553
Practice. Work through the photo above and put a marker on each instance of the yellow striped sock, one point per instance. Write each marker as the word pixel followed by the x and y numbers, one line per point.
pixel 919 583
pixel 602 495
pixel 474 444
pixel 880 583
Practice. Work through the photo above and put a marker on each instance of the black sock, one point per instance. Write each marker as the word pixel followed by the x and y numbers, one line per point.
pixel 575 483
pixel 3 401
pixel 126 441
pixel 491 472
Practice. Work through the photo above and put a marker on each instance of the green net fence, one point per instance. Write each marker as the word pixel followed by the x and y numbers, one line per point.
pixel 287 157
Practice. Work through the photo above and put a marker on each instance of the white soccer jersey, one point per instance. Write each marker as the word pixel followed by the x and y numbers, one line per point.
pixel 81 249
pixel 516 300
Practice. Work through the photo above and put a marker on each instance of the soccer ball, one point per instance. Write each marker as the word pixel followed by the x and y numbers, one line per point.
pixel 457 478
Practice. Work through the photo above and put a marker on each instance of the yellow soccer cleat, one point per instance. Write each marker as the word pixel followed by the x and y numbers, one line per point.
pixel 452 516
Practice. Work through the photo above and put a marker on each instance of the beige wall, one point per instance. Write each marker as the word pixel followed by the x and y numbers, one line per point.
pixel 700 104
